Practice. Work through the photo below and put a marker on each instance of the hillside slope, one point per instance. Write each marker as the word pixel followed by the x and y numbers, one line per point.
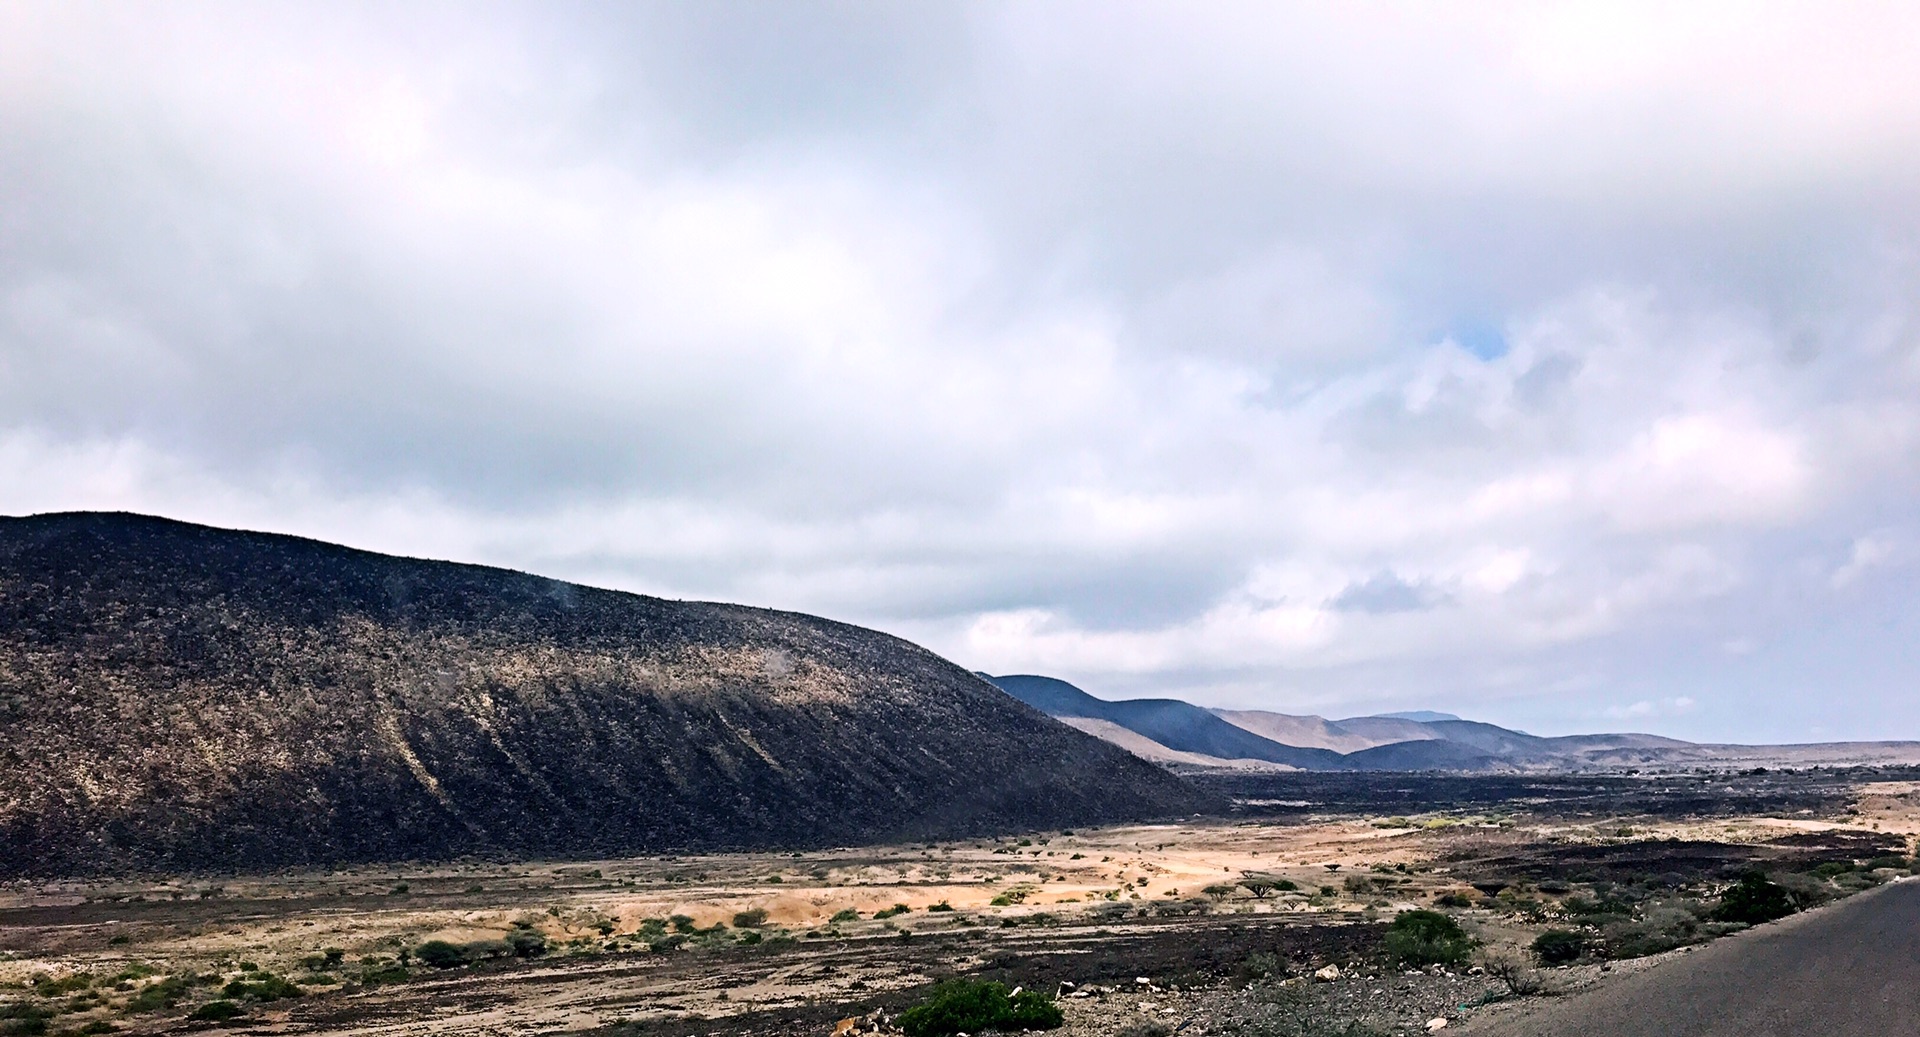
pixel 177 696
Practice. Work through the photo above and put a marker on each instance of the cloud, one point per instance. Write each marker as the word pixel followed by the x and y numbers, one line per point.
pixel 1504 360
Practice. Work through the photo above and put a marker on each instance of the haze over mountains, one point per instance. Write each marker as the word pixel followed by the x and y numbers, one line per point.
pixel 1180 734
pixel 178 696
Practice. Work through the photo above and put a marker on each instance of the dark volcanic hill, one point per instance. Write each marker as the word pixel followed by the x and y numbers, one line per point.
pixel 178 696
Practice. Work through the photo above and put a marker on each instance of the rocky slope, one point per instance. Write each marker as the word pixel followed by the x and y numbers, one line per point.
pixel 177 696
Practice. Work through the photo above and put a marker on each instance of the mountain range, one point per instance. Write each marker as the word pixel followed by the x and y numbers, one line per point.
pixel 1181 735
pixel 176 696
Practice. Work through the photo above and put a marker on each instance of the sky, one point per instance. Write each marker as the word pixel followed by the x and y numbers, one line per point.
pixel 1556 365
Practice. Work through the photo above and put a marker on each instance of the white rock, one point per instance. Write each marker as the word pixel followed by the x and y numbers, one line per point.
pixel 1328 974
pixel 1436 1023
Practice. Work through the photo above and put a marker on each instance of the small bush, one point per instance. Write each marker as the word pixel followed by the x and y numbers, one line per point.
pixel 751 919
pixel 317 963
pixel 156 997
pixel 1264 886
pixel 1558 946
pixel 897 909
pixel 23 1020
pixel 1753 900
pixel 1512 971
pixel 215 1012
pixel 845 914
pixel 1453 899
pixel 940 907
pixel 683 924
pixel 526 943
pixel 962 1006
pixel 440 954
pixel 1427 938
pixel 47 987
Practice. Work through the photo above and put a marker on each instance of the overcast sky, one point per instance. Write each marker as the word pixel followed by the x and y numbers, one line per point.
pixel 1555 366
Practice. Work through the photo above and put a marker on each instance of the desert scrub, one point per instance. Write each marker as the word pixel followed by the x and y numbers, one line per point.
pixel 1421 937
pixel 1558 946
pixel 963 1006
pixel 1753 900
pixel 216 1012
pixel 160 995
pixel 262 986
pixel 23 1020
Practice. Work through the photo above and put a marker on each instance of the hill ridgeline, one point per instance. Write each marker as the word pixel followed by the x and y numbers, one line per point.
pixel 182 697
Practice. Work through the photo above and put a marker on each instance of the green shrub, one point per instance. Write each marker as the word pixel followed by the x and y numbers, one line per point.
pixel 897 909
pixel 215 1012
pixel 963 1006
pixel 47 987
pixel 1427 938
pixel 156 997
pixel 440 954
pixel 1558 946
pixel 1753 900
pixel 22 1020
pixel 752 919
pixel 683 924
pixel 845 914
pixel 940 907
pixel 526 943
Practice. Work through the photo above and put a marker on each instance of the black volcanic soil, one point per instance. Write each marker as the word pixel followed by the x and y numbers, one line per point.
pixel 178 697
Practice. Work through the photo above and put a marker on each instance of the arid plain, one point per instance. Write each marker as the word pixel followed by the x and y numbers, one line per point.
pixel 1212 922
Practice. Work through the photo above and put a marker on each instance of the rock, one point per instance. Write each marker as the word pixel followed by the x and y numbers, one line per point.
pixel 1437 1023
pixel 1477 970
pixel 1328 974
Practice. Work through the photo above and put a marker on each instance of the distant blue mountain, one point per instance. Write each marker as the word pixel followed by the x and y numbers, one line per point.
pixel 1418 740
pixel 1171 722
